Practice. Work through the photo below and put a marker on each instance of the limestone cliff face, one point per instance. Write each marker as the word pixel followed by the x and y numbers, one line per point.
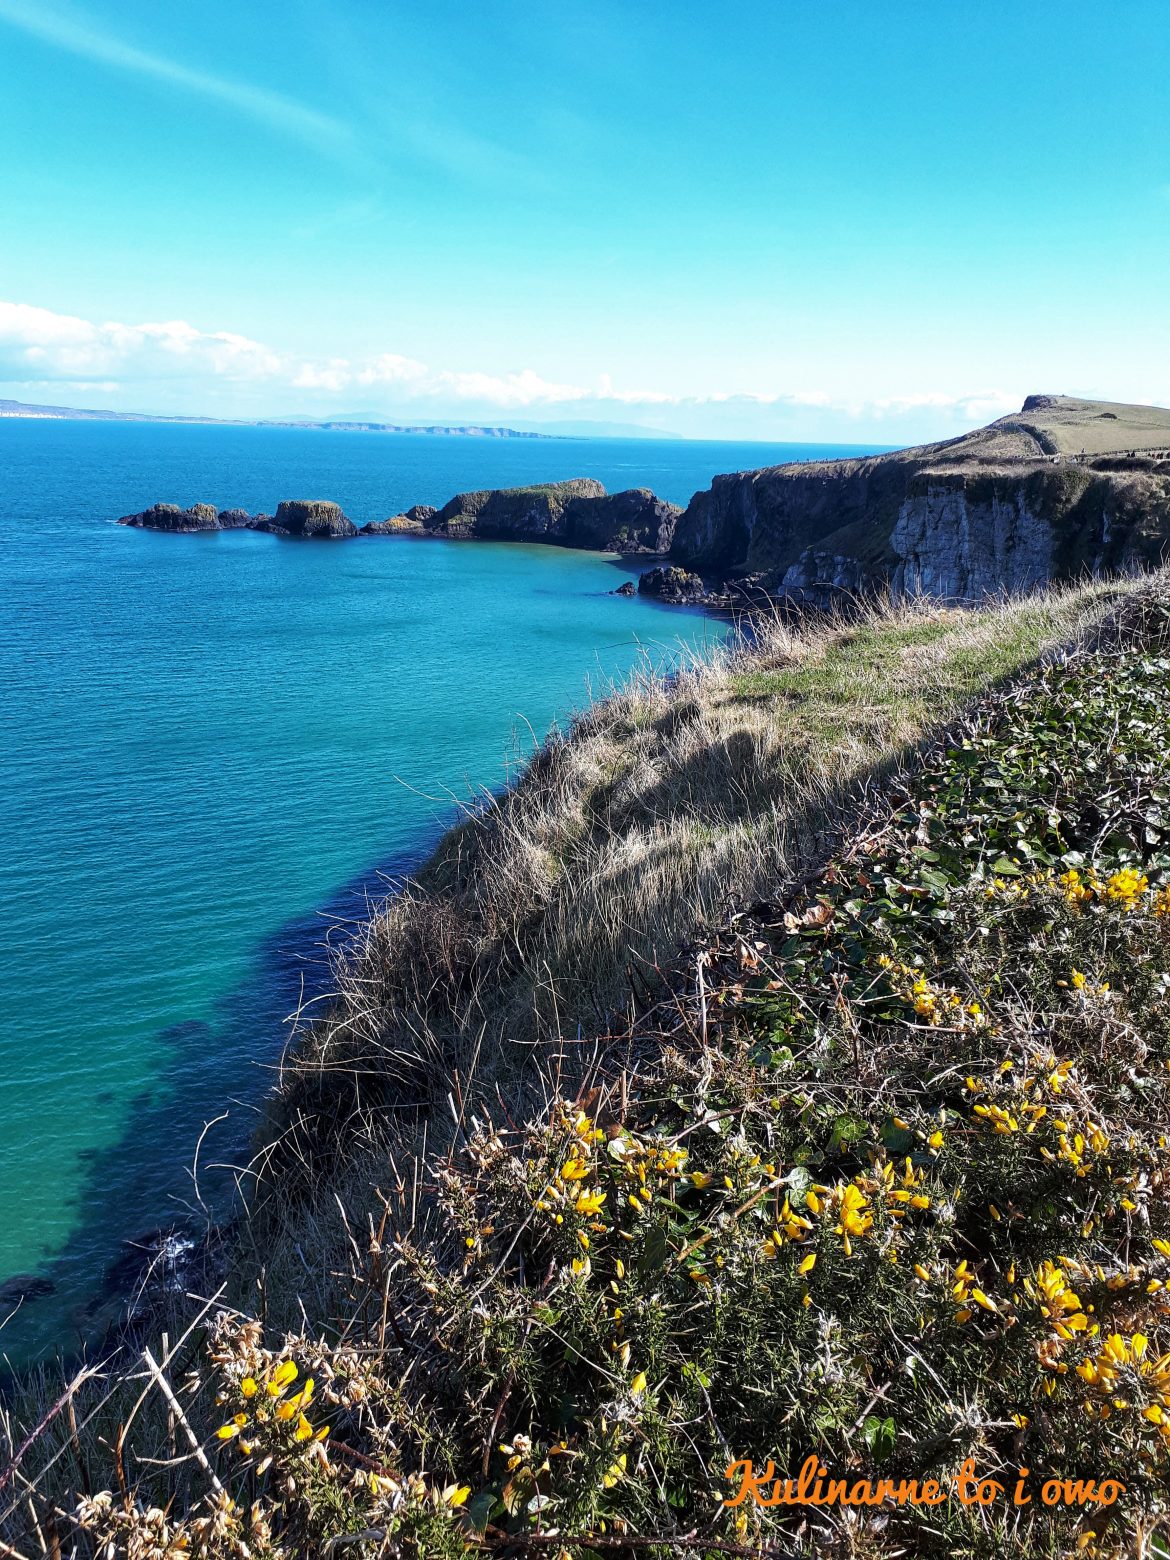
pixel 969 546
pixel 763 520
pixel 938 522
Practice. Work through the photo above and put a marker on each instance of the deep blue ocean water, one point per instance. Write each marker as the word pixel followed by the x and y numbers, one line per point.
pixel 212 748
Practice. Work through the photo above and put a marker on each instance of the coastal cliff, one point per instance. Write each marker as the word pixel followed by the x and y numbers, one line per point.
pixel 1061 489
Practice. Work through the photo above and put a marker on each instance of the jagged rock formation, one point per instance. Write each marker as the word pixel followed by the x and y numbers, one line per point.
pixel 169 517
pixel 678 586
pixel 577 513
pixel 1005 508
pixel 412 523
pixel 307 517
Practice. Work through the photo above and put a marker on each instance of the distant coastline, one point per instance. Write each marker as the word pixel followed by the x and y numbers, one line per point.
pixel 22 409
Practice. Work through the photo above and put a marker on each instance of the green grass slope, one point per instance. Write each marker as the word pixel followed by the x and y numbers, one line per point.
pixel 778 1072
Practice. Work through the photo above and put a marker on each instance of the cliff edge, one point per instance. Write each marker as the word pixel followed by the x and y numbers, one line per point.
pixel 1061 488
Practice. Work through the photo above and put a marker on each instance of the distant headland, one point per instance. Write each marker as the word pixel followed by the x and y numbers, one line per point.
pixel 85 414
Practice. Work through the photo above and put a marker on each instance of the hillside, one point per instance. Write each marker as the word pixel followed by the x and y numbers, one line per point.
pixel 1007 507
pixel 777 1070
pixel 1064 425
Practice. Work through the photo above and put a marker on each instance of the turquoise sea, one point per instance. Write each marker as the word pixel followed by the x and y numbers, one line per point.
pixel 215 748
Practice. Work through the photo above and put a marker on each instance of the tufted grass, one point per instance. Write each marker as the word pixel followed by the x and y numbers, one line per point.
pixel 552 955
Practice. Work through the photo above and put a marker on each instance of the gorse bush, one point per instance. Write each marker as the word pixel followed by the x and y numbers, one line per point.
pixel 878 1192
pixel 656 813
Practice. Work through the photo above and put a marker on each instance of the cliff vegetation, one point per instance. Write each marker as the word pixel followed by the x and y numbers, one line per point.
pixel 777 1071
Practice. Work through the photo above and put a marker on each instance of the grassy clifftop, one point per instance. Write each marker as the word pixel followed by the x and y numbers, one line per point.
pixel 1061 488
pixel 778 1071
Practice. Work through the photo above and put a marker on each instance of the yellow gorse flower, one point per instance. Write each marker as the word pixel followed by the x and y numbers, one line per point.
pixel 1126 887
pixel 854 1215
pixel 1124 1372
pixel 283 1376
pixel 1059 1303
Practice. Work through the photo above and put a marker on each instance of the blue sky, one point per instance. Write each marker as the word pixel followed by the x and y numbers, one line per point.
pixel 828 219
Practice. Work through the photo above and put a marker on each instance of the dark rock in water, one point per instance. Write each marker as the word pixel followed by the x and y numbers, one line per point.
pixel 311 518
pixel 396 525
pixel 25 1286
pixel 169 517
pixel 631 522
pixel 513 514
pixel 577 513
pixel 421 512
pixel 627 589
pixel 672 584
pixel 234 519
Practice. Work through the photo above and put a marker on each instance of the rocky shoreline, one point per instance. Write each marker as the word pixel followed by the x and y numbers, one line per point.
pixel 1039 496
pixel 576 513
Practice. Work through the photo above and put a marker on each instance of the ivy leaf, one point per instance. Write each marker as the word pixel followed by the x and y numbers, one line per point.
pixel 880 1436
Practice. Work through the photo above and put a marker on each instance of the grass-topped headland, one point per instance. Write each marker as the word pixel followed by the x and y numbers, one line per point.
pixel 778 1070
pixel 1062 490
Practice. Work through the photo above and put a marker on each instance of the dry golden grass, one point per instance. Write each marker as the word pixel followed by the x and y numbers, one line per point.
pixel 542 922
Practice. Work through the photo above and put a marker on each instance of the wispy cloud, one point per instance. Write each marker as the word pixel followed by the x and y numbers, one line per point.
pixel 74 33
pixel 39 347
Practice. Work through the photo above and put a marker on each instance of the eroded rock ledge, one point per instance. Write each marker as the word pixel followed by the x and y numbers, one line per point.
pixel 578 513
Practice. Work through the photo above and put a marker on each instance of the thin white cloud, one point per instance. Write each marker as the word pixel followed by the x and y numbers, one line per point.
pixel 40 347
pixel 70 31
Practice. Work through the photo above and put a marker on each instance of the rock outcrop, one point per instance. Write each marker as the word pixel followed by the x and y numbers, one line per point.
pixel 311 517
pixel 412 523
pixel 1004 509
pixel 169 517
pixel 577 513
pixel 677 586
pixel 295 517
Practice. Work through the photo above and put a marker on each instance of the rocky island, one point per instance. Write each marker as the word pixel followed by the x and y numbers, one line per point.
pixel 577 513
pixel 1061 489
